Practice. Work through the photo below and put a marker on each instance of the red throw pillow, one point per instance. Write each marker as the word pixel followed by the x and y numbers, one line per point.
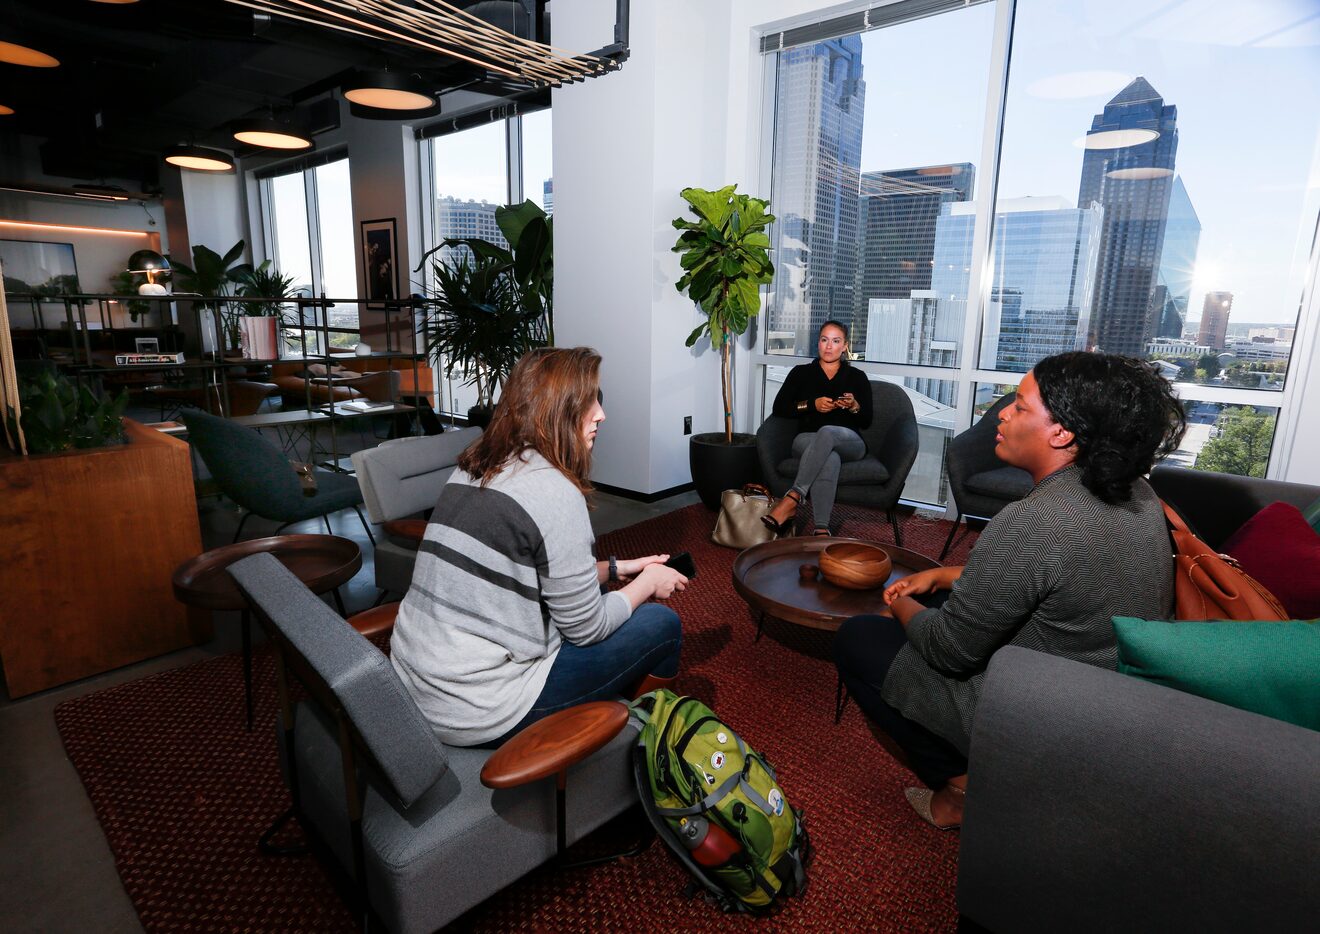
pixel 1278 547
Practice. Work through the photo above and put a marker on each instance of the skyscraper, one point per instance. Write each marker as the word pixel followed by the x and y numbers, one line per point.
pixel 1128 169
pixel 1045 254
pixel 896 242
pixel 1173 287
pixel 1214 320
pixel 818 157
pixel 455 218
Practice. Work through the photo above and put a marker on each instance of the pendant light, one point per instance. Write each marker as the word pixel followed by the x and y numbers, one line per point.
pixel 389 90
pixel 270 132
pixel 199 158
pixel 16 53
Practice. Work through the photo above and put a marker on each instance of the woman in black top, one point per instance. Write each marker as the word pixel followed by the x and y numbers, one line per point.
pixel 832 402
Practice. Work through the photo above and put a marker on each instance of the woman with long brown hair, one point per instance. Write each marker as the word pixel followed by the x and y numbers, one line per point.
pixel 505 621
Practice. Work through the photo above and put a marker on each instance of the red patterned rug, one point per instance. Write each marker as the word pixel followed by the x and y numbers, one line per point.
pixel 182 791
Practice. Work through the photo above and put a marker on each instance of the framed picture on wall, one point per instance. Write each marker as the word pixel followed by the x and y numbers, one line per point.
pixel 35 267
pixel 379 259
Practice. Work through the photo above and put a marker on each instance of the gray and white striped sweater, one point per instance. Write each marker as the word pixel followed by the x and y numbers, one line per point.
pixel 504 573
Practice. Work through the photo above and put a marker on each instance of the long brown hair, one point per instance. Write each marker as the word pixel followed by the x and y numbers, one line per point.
pixel 545 400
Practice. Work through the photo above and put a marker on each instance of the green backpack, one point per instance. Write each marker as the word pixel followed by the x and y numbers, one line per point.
pixel 717 804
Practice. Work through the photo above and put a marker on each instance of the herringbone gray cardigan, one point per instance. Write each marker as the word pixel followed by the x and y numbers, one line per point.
pixel 1047 574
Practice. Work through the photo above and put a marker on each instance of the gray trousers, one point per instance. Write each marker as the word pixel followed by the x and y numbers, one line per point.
pixel 822 453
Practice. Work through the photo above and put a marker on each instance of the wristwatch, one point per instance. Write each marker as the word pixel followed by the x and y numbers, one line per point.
pixel 614 568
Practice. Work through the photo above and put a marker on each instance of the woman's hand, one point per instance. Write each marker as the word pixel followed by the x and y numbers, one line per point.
pixel 846 401
pixel 922 582
pixel 629 568
pixel 825 404
pixel 661 581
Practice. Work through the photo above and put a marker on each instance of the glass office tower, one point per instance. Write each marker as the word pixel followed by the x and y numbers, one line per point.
pixel 817 163
pixel 1128 169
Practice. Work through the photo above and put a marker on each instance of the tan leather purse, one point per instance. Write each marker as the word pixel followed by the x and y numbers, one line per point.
pixel 739 525
pixel 1208 585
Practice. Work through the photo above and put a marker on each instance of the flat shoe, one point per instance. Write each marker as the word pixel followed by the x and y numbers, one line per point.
pixel 919 798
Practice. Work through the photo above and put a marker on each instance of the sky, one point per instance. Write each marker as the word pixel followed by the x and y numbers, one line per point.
pixel 1242 80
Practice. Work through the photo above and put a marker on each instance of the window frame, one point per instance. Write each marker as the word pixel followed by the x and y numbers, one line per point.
pixel 968 373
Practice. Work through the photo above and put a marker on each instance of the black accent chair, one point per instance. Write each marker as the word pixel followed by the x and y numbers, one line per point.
pixel 877 479
pixel 253 473
pixel 981 483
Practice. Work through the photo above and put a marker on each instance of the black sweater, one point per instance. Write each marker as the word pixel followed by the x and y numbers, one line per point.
pixel 808 383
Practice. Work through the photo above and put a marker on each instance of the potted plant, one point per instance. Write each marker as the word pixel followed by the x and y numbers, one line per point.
pixel 725 258
pixel 211 276
pixel 493 304
pixel 260 320
pixel 57 415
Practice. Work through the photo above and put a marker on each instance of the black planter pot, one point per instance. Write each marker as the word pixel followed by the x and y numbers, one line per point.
pixel 718 466
pixel 478 416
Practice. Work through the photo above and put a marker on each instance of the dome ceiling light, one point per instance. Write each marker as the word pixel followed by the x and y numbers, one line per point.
pixel 271 133
pixel 16 54
pixel 199 159
pixel 388 90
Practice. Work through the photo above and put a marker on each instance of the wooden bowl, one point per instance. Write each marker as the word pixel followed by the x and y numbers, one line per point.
pixel 855 566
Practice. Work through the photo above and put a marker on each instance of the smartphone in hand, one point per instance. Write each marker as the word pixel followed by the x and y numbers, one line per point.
pixel 683 564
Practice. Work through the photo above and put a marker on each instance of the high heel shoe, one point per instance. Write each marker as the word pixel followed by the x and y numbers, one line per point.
pixel 920 799
pixel 779 528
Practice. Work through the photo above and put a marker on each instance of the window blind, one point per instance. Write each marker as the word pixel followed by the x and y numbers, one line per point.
pixel 875 17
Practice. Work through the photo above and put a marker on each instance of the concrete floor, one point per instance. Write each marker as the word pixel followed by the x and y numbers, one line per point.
pixel 56 871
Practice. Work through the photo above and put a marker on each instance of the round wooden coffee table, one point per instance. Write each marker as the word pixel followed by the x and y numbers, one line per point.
pixel 766 576
pixel 322 562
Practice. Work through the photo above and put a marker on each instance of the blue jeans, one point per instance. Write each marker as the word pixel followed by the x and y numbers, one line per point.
pixel 647 644
pixel 822 455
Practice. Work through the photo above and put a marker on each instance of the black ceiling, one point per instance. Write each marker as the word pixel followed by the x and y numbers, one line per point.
pixel 137 78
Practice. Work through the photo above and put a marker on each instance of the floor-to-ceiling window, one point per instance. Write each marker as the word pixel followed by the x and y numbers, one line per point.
pixel 976 187
pixel 307 215
pixel 472 172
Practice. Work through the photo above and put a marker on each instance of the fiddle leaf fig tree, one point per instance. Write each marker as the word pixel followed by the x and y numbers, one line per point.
pixel 725 258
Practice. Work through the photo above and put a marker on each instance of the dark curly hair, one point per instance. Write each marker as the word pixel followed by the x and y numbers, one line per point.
pixel 1122 413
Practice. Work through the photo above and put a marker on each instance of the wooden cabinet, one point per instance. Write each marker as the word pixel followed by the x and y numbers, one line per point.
pixel 91 539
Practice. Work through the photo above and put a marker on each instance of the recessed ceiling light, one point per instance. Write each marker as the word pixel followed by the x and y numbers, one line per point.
pixel 1116 139
pixel 16 54
pixel 388 90
pixel 940 170
pixel 272 134
pixel 1139 174
pixel 199 158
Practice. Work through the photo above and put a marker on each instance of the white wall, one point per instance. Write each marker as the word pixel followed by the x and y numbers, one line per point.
pixel 683 111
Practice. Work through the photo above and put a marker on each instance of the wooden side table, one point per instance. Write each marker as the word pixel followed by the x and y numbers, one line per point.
pixel 322 562
pixel 551 747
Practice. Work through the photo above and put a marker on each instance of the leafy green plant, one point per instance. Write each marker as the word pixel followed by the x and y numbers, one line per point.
pixel 493 304
pixel 212 276
pixel 480 327
pixel 264 282
pixel 57 415
pixel 725 258
pixel 121 283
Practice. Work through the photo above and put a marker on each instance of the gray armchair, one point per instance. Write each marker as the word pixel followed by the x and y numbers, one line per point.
pixel 419 834
pixel 877 479
pixel 980 482
pixel 402 478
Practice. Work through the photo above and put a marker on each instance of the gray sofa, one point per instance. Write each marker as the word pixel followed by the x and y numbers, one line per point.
pixel 1100 802
pixel 401 478
pixel 420 835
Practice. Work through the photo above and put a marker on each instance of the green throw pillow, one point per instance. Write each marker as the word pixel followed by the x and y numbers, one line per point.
pixel 1312 513
pixel 1267 668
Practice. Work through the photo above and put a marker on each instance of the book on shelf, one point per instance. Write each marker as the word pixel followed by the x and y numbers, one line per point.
pixel 365 405
pixel 137 359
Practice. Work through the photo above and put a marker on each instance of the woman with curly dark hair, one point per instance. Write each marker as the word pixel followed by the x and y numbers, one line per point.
pixel 1088 543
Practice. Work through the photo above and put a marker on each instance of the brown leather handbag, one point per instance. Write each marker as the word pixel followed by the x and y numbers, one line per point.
pixel 739 525
pixel 1209 585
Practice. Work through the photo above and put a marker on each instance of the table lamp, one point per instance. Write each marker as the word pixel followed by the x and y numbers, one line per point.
pixel 151 264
